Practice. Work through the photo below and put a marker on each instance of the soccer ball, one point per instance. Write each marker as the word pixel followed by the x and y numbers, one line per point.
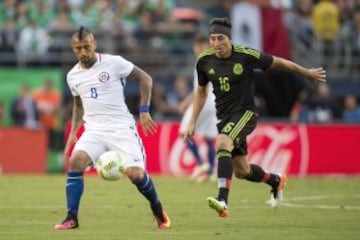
pixel 111 166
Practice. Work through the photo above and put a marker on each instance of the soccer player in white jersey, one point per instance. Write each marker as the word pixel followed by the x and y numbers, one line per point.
pixel 206 124
pixel 97 84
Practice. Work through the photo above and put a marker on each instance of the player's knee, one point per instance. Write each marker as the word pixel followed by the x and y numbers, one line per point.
pixel 135 174
pixel 79 161
pixel 75 165
pixel 224 142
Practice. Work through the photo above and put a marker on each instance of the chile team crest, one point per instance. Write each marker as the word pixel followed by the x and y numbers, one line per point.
pixel 104 77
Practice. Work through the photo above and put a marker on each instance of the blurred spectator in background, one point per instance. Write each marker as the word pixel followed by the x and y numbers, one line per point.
pixel 158 102
pixel 345 8
pixel 59 29
pixel 107 15
pixel 300 23
pixel 23 110
pixel 73 3
pixel 41 12
pixel 7 11
pixel 326 22
pixel 174 32
pixel 351 34
pixel 145 32
pixel 87 15
pixel 166 99
pixel 61 23
pixel 22 15
pixel 313 106
pixel 33 43
pixel 321 110
pixel 160 9
pixel 351 111
pixel 127 12
pixel 8 36
pixel 299 110
pixel 48 102
pixel 217 9
pixel 176 94
pixel 61 5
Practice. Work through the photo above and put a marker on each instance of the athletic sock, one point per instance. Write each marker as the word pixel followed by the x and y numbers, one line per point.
pixel 225 172
pixel 257 174
pixel 272 179
pixel 74 190
pixel 147 189
pixel 211 154
pixel 195 151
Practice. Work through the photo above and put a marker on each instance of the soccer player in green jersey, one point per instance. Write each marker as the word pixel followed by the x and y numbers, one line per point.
pixel 229 68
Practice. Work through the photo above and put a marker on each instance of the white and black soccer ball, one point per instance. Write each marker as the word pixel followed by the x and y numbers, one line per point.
pixel 111 166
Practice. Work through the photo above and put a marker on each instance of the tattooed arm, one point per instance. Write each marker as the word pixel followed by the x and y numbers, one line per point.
pixel 145 82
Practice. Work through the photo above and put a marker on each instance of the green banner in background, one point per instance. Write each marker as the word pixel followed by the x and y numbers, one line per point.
pixel 12 78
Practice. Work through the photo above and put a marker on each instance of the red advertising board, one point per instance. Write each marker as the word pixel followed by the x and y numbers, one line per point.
pixel 23 150
pixel 295 149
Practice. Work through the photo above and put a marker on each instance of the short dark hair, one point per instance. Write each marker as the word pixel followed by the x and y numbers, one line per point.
pixel 220 21
pixel 82 33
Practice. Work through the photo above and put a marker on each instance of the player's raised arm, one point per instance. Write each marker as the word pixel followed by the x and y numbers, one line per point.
pixel 145 82
pixel 313 74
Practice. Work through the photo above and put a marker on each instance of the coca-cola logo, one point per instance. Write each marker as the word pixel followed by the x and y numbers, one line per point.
pixel 277 148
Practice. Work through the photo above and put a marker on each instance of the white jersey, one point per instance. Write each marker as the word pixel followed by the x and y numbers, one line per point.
pixel 108 123
pixel 101 89
pixel 206 122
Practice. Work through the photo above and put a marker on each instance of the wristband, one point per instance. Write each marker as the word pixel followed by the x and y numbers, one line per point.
pixel 144 108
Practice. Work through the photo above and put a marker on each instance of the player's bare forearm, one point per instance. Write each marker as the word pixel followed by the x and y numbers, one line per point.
pixel 313 74
pixel 199 99
pixel 77 115
pixel 145 82
pixel 200 95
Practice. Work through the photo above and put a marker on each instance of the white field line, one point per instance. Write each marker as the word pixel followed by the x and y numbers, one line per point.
pixel 319 206
pixel 289 202
pixel 319 197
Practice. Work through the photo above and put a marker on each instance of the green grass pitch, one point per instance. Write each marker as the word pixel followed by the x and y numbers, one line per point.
pixel 314 208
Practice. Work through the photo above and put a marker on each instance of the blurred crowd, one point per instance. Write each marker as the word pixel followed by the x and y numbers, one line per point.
pixel 32 29
pixel 157 35
pixel 328 29
pixel 35 108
